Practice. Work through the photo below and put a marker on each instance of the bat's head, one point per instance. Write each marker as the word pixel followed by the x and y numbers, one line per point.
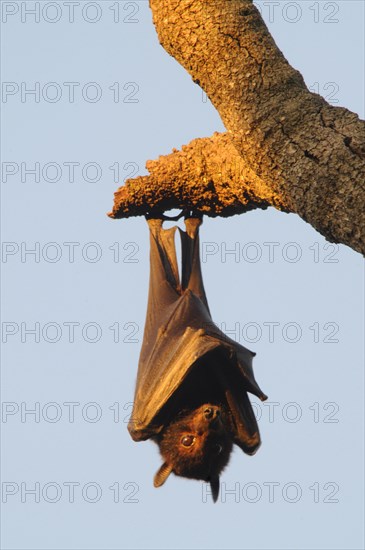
pixel 196 446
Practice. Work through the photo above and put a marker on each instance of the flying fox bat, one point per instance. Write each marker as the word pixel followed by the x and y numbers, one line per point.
pixel 192 383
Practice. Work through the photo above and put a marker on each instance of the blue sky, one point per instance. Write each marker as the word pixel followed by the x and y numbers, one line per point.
pixel 106 98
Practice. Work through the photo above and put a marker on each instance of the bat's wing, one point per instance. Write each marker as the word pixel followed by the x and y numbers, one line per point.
pixel 179 330
pixel 192 278
pixel 164 286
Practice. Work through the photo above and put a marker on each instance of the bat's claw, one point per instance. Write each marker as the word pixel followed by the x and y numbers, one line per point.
pixel 163 217
pixel 185 212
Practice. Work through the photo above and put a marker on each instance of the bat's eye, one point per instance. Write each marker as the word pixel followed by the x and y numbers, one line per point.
pixel 187 440
pixel 218 449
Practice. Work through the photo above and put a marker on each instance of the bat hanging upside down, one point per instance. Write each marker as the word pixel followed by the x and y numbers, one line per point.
pixel 191 392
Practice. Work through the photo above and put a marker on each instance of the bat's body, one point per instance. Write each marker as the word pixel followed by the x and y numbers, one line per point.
pixel 191 394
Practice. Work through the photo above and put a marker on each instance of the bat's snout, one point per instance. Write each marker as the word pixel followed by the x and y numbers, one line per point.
pixel 211 413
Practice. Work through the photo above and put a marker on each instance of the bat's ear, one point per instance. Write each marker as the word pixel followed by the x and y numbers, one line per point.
pixel 214 487
pixel 162 474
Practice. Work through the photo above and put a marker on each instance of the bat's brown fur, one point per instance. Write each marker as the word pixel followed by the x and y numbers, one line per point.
pixel 209 451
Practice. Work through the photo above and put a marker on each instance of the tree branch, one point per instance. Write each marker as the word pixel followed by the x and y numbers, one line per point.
pixel 299 153
pixel 207 175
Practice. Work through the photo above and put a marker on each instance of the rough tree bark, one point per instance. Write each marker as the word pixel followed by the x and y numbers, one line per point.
pixel 285 146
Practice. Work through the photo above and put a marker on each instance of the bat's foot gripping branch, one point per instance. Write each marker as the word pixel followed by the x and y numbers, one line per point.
pixel 186 213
